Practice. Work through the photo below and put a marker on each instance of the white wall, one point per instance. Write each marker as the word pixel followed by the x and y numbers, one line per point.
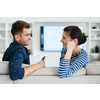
pixel 52 58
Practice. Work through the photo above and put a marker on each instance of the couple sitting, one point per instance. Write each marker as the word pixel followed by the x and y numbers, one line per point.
pixel 72 57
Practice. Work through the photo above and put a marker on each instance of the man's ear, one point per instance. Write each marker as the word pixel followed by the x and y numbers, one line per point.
pixel 17 37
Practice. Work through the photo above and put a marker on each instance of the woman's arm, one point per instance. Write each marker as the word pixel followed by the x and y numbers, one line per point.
pixel 66 69
pixel 63 51
pixel 70 46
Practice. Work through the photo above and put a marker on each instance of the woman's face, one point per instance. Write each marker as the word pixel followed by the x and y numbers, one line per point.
pixel 65 39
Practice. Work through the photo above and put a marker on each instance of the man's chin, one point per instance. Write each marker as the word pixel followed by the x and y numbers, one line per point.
pixel 26 44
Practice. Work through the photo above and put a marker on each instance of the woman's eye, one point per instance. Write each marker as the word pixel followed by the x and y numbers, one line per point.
pixel 63 37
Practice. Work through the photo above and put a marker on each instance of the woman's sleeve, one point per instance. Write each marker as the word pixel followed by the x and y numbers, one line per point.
pixel 66 69
pixel 63 51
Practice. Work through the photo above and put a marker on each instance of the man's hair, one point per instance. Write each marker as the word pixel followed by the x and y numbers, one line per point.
pixel 17 27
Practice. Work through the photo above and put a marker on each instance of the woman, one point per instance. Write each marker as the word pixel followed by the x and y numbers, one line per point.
pixel 72 57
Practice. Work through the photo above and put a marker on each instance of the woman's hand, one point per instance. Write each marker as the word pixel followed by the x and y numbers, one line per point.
pixel 71 45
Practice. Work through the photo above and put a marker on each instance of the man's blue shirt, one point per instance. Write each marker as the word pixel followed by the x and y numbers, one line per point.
pixel 16 54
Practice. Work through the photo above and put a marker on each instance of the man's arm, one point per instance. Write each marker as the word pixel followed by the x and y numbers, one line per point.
pixel 15 63
pixel 32 68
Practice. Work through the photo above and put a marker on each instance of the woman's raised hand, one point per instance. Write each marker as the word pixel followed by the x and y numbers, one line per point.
pixel 71 45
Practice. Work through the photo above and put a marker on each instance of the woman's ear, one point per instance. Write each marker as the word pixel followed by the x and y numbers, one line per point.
pixel 76 41
pixel 17 37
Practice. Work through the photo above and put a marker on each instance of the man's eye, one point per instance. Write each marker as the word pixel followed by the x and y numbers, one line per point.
pixel 31 35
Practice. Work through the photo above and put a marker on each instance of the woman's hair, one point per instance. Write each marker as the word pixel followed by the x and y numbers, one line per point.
pixel 17 27
pixel 75 33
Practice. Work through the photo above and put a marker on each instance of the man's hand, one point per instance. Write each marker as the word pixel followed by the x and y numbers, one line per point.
pixel 41 64
pixel 30 69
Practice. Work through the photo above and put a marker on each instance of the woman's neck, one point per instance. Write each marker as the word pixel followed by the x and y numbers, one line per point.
pixel 76 50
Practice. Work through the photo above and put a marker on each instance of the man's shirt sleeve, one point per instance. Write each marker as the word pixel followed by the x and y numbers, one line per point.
pixel 15 63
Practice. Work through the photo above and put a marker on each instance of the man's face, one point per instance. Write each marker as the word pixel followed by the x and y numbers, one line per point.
pixel 25 37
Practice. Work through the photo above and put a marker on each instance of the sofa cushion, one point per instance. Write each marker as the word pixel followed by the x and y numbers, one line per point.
pixel 50 71
pixel 53 71
pixel 94 57
pixel 93 68
pixel 4 70
pixel 57 80
pixel 5 79
pixel 79 72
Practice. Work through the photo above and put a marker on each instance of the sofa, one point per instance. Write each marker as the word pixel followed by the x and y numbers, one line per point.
pixel 89 74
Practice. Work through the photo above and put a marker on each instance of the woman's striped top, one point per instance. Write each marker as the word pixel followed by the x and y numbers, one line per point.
pixel 70 66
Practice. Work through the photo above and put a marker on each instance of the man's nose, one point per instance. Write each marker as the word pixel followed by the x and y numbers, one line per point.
pixel 30 37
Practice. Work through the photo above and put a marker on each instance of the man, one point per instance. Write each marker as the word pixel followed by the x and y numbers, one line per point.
pixel 17 53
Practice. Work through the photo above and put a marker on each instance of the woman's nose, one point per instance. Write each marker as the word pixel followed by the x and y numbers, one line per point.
pixel 61 40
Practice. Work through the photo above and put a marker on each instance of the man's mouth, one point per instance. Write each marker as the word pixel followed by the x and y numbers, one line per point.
pixel 28 41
